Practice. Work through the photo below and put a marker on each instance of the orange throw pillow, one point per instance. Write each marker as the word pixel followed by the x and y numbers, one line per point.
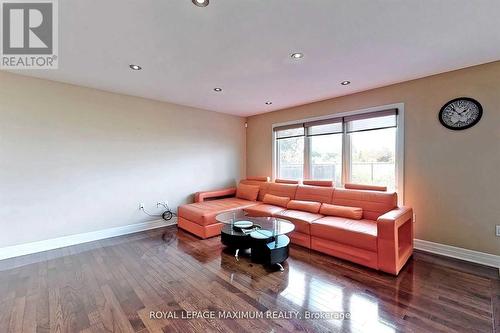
pixel 306 206
pixel 276 200
pixel 247 192
pixel 354 213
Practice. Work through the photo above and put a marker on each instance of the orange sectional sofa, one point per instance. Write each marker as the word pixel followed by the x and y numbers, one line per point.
pixel 358 223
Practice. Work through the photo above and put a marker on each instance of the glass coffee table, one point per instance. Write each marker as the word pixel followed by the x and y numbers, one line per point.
pixel 264 236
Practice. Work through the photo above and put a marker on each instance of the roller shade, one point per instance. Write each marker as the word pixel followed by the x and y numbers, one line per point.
pixel 356 123
pixel 289 131
pixel 371 121
pixel 324 127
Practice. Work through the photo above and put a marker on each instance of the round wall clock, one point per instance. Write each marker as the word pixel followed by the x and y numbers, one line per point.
pixel 460 113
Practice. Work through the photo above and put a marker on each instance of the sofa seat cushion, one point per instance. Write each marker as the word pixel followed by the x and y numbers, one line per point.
pixel 203 213
pixel 302 220
pixel 263 210
pixel 357 233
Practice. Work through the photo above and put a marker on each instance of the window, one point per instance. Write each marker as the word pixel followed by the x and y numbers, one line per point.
pixel 358 148
pixel 325 150
pixel 372 149
pixel 290 147
pixel 326 157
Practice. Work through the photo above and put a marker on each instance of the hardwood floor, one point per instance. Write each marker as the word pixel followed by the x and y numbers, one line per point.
pixel 115 284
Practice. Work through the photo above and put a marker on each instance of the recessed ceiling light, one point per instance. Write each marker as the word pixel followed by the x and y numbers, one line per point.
pixel 269 103
pixel 297 55
pixel 201 3
pixel 345 83
pixel 135 67
pixel 218 89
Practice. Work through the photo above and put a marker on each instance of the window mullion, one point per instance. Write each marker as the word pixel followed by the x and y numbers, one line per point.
pixel 277 158
pixel 307 157
pixel 346 156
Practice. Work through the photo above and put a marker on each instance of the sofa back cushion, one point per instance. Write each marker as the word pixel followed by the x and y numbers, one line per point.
pixel 373 203
pixel 354 213
pixel 306 206
pixel 276 200
pixel 262 184
pixel 314 193
pixel 282 190
pixel 247 192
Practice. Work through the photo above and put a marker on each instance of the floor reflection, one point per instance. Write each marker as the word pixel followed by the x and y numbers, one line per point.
pixel 190 245
pixel 297 291
pixel 307 284
pixel 259 277
pixel 365 315
pixel 375 301
pixel 313 290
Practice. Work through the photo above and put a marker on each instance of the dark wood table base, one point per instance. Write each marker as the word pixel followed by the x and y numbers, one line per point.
pixel 270 251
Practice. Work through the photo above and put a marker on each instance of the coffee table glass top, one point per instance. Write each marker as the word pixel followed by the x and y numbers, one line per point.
pixel 256 227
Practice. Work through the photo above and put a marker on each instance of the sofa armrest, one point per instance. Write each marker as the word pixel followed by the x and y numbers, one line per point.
pixel 394 239
pixel 202 196
pixel 396 216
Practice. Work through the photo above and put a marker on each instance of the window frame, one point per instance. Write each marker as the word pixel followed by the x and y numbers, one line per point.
pixel 399 158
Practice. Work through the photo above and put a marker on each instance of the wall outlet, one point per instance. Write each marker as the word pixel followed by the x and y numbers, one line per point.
pixel 141 205
pixel 161 203
pixel 414 217
pixel 498 230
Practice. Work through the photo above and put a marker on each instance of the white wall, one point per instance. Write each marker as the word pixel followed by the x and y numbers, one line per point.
pixel 75 160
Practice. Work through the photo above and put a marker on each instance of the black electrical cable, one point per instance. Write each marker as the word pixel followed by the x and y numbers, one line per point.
pixel 167 215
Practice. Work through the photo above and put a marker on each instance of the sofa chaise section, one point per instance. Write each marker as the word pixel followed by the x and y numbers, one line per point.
pixel 198 218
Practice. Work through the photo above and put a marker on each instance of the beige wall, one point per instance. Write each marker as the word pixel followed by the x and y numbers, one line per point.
pixel 75 160
pixel 451 178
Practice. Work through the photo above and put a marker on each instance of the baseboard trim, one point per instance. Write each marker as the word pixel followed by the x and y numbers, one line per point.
pixel 55 243
pixel 458 253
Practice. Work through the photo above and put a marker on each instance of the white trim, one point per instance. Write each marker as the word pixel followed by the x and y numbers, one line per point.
pixel 274 162
pixel 306 170
pixel 400 142
pixel 400 154
pixel 458 253
pixel 346 156
pixel 55 243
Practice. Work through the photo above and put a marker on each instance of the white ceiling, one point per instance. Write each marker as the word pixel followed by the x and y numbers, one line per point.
pixel 243 46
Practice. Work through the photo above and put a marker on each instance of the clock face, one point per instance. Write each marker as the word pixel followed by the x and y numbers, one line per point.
pixel 460 113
